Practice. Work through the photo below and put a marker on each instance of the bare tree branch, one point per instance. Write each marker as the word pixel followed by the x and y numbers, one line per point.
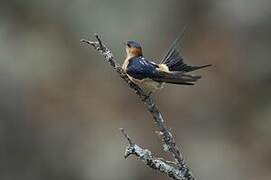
pixel 159 164
pixel 183 172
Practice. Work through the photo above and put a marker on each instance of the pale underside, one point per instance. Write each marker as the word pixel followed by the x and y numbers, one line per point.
pixel 147 84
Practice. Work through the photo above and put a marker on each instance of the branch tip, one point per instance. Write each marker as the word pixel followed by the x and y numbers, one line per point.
pixel 86 41
pixel 99 40
pixel 126 136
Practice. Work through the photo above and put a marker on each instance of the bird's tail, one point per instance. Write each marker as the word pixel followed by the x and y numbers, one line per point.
pixel 176 78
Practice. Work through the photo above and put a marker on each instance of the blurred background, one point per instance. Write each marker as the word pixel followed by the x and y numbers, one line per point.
pixel 62 105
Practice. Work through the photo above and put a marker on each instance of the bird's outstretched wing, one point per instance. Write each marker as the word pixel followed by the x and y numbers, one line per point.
pixel 174 60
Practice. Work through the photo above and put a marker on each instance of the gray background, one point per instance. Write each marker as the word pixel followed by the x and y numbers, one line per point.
pixel 62 106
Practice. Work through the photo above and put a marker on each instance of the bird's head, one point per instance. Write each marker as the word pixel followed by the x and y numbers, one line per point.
pixel 133 49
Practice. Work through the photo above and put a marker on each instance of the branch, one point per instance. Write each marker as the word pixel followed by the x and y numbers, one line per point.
pixel 159 164
pixel 167 138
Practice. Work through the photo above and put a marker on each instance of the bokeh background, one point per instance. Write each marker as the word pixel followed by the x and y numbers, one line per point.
pixel 62 105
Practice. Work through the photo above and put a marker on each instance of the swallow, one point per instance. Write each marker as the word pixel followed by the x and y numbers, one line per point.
pixel 151 76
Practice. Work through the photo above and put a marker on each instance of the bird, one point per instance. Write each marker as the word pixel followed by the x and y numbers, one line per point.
pixel 151 76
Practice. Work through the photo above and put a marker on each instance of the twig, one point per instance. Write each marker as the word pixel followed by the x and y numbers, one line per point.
pixel 126 136
pixel 167 138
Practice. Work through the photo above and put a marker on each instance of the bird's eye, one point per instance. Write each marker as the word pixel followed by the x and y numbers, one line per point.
pixel 129 45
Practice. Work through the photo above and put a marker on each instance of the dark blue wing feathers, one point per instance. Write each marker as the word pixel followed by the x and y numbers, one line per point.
pixel 139 68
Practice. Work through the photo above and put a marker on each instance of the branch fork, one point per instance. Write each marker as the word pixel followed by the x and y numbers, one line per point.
pixel 176 170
